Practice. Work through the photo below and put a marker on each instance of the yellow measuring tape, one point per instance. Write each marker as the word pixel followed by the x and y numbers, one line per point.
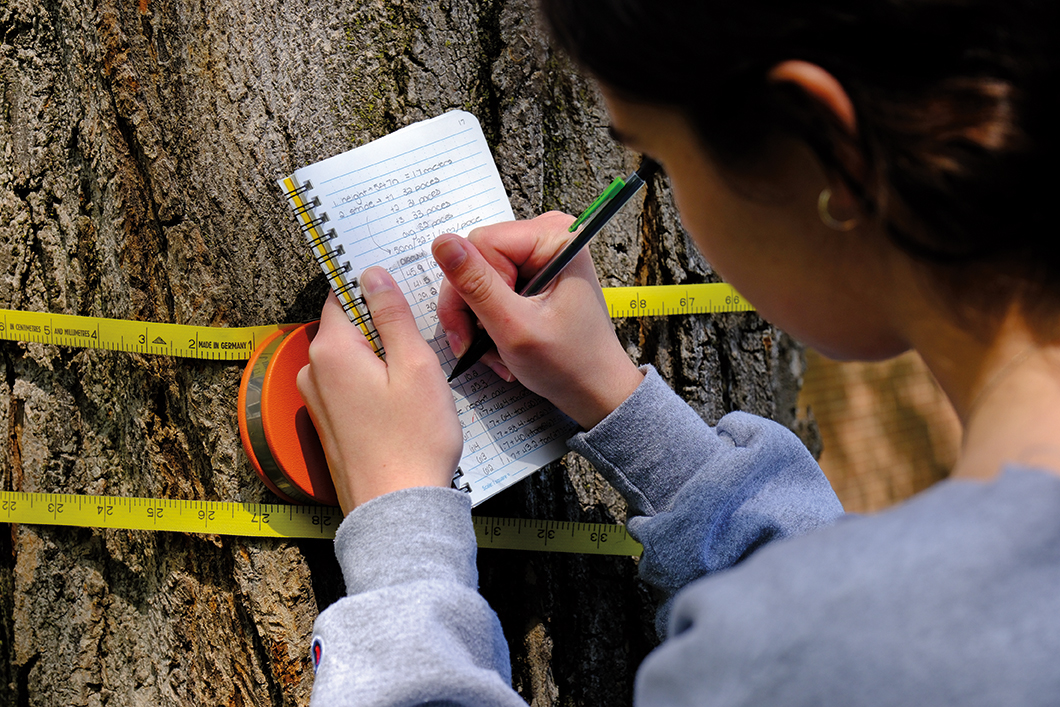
pixel 666 300
pixel 276 520
pixel 219 343
pixel 290 521
pixel 237 343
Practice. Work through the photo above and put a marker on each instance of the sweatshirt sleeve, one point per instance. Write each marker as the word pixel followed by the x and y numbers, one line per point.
pixel 413 628
pixel 703 498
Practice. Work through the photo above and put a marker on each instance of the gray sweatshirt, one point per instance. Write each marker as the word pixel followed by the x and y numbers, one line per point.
pixel 767 595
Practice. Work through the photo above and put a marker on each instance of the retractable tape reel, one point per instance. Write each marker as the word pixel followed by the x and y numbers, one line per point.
pixel 278 435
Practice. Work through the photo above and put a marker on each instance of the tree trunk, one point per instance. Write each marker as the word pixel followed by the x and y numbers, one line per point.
pixel 140 144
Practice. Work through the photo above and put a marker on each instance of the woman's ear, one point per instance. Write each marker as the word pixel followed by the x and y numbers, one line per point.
pixel 819 85
pixel 826 91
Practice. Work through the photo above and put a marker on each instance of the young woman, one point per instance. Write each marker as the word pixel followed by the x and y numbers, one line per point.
pixel 874 176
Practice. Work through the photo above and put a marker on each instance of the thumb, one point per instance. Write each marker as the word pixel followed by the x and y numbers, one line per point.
pixel 391 314
pixel 474 279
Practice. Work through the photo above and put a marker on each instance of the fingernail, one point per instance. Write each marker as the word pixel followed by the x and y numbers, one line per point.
pixel 450 253
pixel 375 280
pixel 501 370
pixel 456 344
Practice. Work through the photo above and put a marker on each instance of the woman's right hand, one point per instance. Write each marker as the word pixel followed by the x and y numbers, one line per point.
pixel 560 343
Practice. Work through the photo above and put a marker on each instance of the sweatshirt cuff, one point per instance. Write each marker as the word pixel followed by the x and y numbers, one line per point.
pixel 405 536
pixel 638 447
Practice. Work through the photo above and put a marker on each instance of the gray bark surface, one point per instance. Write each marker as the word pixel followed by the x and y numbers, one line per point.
pixel 139 146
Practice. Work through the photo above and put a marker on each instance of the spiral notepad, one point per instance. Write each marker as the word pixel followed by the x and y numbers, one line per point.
pixel 384 204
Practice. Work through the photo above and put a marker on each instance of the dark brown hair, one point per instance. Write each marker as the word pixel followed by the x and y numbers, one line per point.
pixel 955 103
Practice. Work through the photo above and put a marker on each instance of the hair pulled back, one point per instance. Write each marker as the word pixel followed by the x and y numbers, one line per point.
pixel 955 103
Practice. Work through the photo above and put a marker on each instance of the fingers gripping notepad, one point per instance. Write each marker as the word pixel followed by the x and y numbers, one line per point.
pixel 384 204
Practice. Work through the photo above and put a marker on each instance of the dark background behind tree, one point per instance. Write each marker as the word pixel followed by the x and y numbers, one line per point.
pixel 140 141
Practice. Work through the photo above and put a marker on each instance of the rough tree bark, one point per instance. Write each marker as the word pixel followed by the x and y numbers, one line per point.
pixel 139 144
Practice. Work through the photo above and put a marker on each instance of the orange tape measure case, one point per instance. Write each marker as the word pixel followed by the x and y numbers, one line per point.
pixel 274 424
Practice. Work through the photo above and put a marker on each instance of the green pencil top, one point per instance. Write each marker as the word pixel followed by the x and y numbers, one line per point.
pixel 611 190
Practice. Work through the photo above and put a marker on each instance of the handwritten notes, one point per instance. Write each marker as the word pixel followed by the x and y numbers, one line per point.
pixel 387 201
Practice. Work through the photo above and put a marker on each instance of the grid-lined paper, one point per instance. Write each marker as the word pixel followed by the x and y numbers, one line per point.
pixel 386 202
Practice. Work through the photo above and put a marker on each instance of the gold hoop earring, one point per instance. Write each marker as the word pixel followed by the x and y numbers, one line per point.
pixel 826 216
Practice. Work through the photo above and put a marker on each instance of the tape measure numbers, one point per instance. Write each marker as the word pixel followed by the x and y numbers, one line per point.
pixel 215 343
pixel 294 521
pixel 275 520
pixel 555 536
pixel 272 520
pixel 238 343
pixel 667 300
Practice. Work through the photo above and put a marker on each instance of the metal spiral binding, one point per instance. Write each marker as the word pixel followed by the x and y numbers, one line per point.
pixel 347 288
pixel 458 484
pixel 334 269
pixel 307 206
pixel 324 257
pixel 291 193
pixel 310 226
pixel 356 309
pixel 357 305
pixel 330 234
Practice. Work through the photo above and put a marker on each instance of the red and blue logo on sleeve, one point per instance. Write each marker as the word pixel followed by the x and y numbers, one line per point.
pixel 318 652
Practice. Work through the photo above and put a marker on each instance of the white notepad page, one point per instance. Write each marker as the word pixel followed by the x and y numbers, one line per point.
pixel 386 202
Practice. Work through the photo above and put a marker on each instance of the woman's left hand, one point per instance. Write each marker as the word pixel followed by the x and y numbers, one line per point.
pixel 384 425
